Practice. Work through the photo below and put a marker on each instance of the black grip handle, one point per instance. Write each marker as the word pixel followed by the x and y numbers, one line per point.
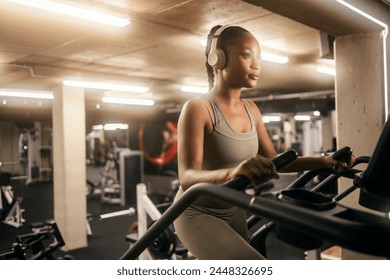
pixel 344 154
pixel 280 161
pixel 284 159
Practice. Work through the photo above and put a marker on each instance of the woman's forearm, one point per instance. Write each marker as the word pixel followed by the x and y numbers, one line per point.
pixel 309 163
pixel 193 176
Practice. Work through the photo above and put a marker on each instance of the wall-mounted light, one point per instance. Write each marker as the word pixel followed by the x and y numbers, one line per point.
pixel 76 11
pixel 39 94
pixel 106 86
pixel 194 89
pixel 128 101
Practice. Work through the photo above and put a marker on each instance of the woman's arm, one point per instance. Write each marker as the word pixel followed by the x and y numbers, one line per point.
pixel 267 149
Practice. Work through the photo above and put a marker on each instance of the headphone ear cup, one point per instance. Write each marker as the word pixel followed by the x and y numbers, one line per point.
pixel 217 59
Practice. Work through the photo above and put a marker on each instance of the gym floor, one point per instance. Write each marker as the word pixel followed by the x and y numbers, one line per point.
pixel 107 241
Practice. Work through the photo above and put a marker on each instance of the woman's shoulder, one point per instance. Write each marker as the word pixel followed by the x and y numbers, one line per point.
pixel 197 103
pixel 251 104
pixel 254 109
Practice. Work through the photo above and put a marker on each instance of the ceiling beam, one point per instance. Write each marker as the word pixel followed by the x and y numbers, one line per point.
pixel 328 16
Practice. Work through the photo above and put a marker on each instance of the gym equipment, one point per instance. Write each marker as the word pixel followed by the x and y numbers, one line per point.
pixel 108 186
pixel 280 161
pixel 326 220
pixel 343 154
pixel 11 212
pixel 240 183
pixel 122 171
pixel 217 57
pixel 131 173
pixel 43 241
pixel 166 244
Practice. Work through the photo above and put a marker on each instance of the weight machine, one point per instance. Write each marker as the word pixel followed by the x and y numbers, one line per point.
pixel 40 244
pixel 11 212
pixel 306 218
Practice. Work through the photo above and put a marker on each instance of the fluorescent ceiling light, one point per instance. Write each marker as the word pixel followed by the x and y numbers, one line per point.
pixel 194 89
pixel 326 70
pixel 267 119
pixel 97 127
pixel 128 101
pixel 39 94
pixel 115 126
pixel 274 58
pixel 302 118
pixel 70 10
pixel 106 86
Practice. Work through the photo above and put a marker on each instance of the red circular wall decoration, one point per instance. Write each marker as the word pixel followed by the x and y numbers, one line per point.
pixel 168 143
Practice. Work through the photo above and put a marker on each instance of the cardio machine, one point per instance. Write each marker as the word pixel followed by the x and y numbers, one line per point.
pixel 307 218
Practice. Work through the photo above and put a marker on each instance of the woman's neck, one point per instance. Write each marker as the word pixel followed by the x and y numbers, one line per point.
pixel 227 95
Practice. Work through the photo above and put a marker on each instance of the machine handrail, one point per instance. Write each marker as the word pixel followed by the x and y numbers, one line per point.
pixel 347 227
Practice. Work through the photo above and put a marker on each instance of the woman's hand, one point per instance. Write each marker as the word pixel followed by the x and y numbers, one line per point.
pixel 339 165
pixel 257 169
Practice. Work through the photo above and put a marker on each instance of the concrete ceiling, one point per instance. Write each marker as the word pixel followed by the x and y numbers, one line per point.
pixel 160 49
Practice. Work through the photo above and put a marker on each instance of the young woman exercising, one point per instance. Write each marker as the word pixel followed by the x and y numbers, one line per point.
pixel 221 136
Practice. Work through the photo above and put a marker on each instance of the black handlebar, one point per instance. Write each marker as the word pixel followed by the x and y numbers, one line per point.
pixel 344 154
pixel 280 161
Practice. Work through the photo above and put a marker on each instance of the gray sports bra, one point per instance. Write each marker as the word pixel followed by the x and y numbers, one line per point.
pixel 226 147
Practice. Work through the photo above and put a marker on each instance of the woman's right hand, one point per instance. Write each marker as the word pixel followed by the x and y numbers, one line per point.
pixel 257 169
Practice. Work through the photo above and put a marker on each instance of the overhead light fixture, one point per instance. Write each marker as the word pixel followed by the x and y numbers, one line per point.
pixel 302 118
pixel 39 94
pixel 115 126
pixel 75 11
pixel 268 119
pixel 128 101
pixel 106 86
pixel 326 70
pixel 194 89
pixel 274 58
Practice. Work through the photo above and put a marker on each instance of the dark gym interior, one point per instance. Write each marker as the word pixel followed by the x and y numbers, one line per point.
pixel 324 85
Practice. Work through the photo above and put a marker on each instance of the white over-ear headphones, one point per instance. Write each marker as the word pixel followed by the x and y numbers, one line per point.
pixel 216 57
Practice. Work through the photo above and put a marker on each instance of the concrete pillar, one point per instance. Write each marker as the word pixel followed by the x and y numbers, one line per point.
pixel 70 205
pixel 359 101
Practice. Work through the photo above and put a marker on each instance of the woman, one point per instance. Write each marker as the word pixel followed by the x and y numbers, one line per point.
pixel 221 136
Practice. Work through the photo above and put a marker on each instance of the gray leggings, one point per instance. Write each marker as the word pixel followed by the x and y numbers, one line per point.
pixel 215 233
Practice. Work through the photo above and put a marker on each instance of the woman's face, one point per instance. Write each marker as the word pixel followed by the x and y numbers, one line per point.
pixel 242 62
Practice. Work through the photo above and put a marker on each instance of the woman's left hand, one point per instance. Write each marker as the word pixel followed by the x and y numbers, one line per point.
pixel 339 165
